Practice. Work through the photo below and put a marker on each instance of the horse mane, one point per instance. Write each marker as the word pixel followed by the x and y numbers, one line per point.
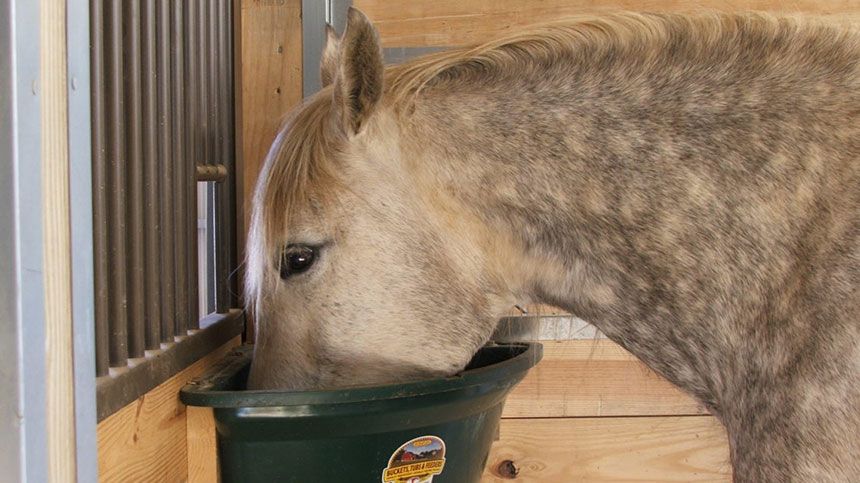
pixel 299 166
pixel 545 42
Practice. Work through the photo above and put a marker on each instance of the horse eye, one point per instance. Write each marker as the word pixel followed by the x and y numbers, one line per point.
pixel 297 259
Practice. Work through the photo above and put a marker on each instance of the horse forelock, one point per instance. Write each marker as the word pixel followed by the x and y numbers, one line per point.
pixel 298 169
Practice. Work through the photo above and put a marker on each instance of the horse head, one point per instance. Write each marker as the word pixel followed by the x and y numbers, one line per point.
pixel 359 270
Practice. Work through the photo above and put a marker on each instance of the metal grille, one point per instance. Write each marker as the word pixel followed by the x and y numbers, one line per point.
pixel 162 119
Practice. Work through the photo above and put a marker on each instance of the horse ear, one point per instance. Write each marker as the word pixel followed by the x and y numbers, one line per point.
pixel 329 59
pixel 358 83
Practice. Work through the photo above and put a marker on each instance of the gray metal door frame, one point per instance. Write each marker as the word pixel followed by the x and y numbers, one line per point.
pixel 23 412
pixel 315 15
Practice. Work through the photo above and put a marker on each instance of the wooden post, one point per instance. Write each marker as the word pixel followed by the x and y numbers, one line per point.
pixel 57 244
pixel 270 83
pixel 60 391
pixel 202 445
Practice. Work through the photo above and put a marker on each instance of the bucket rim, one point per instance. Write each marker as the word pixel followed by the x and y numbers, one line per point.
pixel 211 390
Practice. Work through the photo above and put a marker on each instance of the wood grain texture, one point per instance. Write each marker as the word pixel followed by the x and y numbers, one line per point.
pixel 594 378
pixel 457 22
pixel 146 440
pixel 270 81
pixel 644 449
pixel 202 445
pixel 57 256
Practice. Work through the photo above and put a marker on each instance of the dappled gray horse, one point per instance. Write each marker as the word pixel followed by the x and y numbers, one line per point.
pixel 690 185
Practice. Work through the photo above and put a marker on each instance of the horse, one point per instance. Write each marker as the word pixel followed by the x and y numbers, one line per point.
pixel 688 184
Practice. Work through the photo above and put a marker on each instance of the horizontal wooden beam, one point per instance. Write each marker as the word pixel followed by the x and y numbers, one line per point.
pixel 457 22
pixel 125 385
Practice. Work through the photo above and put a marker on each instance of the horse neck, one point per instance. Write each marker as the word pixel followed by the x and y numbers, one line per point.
pixel 626 209
pixel 533 168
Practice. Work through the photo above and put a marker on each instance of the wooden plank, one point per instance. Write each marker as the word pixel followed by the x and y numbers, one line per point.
pixel 146 440
pixel 658 449
pixel 59 390
pixel 594 378
pixel 458 22
pixel 270 84
pixel 271 79
pixel 202 445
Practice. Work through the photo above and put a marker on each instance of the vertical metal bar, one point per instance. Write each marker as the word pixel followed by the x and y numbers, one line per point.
pixel 203 83
pixel 209 81
pixel 166 164
pixel 182 114
pixel 209 101
pixel 198 125
pixel 193 305
pixel 212 246
pixel 212 191
pixel 218 282
pixel 235 167
pixel 152 202
pixel 214 82
pixel 136 282
pixel 83 257
pixel 116 157
pixel 100 194
pixel 225 28
pixel 236 170
pixel 222 225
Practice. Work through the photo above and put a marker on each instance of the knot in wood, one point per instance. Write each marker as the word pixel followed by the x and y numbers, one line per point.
pixel 507 469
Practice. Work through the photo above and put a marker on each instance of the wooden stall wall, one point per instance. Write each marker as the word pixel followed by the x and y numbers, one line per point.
pixel 590 411
pixel 156 438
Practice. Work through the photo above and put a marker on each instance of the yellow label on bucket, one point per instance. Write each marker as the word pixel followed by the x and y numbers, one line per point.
pixel 416 461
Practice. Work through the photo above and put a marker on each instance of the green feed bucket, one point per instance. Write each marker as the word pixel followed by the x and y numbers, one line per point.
pixel 436 430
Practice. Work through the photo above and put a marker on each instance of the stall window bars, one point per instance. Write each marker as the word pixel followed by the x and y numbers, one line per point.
pixel 162 132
